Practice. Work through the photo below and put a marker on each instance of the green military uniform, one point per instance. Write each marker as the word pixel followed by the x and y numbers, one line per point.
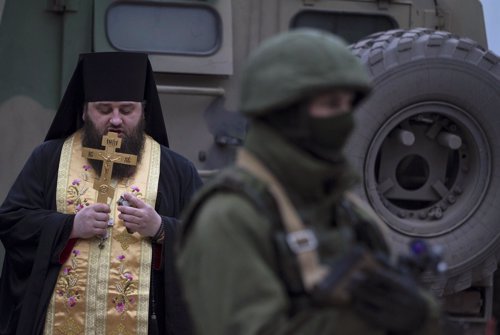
pixel 237 278
pixel 229 265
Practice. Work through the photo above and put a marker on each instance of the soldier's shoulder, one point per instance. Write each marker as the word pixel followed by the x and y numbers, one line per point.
pixel 227 201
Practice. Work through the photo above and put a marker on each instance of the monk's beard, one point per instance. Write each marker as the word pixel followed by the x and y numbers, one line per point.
pixel 131 144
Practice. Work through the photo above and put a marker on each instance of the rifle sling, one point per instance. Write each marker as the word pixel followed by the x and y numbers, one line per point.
pixel 310 268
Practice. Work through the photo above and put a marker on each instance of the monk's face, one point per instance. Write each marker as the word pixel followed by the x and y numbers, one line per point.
pixel 124 118
pixel 121 117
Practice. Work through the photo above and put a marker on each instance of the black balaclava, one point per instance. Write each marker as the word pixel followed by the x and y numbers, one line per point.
pixel 110 76
pixel 324 138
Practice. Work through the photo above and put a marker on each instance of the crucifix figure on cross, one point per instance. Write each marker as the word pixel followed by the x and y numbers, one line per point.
pixel 108 156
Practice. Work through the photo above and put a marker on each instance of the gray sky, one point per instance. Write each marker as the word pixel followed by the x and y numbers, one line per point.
pixel 491 10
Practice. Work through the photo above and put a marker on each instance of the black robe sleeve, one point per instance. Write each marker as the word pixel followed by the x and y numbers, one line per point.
pixel 179 180
pixel 34 234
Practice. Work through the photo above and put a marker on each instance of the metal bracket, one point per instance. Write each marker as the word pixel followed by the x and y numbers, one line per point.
pixel 383 4
pixel 310 2
pixel 302 241
pixel 63 6
pixel 440 16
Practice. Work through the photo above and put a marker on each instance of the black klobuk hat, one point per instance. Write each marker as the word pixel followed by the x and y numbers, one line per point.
pixel 110 76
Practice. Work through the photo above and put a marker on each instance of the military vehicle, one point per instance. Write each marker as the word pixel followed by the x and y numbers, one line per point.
pixel 427 143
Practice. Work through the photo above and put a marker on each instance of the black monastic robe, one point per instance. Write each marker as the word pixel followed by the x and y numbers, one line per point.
pixel 35 234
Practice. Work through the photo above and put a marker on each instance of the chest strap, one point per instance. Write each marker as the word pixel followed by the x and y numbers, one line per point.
pixel 302 241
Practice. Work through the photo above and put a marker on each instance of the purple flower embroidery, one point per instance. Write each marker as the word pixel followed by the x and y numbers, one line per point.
pixel 72 301
pixel 135 188
pixel 120 307
pixel 71 202
pixel 128 276
pixel 78 207
pixel 68 282
pixel 125 286
pixel 76 182
pixel 87 167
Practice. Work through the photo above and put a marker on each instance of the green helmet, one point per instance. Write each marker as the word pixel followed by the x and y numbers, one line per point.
pixel 293 65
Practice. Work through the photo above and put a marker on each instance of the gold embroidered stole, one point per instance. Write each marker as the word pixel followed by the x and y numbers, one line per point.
pixel 103 291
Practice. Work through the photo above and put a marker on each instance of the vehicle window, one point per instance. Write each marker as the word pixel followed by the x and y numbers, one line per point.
pixel 164 28
pixel 351 26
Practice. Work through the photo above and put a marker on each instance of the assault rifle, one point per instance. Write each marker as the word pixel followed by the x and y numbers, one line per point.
pixel 334 289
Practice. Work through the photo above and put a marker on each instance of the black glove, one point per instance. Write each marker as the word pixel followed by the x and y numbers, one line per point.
pixel 389 300
pixel 333 289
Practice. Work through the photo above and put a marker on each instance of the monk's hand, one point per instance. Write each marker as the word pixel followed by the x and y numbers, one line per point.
pixel 91 221
pixel 139 216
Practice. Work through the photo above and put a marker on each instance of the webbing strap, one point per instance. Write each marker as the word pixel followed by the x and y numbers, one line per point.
pixel 311 270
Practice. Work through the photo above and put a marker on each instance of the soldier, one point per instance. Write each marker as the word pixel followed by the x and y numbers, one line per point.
pixel 276 244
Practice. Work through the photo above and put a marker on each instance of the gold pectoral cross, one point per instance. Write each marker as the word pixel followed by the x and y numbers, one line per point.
pixel 108 156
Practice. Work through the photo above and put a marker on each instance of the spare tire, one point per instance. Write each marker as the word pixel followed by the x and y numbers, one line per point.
pixel 428 146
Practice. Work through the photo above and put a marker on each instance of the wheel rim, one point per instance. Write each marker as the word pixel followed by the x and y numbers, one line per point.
pixel 408 182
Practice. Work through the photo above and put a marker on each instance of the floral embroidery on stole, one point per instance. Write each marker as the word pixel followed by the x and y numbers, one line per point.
pixel 101 291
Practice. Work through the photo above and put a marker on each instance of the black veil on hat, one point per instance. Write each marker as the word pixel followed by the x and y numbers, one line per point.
pixel 110 76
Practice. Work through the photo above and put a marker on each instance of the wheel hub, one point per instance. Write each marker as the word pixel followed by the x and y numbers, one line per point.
pixel 427 169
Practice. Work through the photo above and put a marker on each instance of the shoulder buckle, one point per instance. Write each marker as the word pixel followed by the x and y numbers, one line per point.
pixel 302 241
